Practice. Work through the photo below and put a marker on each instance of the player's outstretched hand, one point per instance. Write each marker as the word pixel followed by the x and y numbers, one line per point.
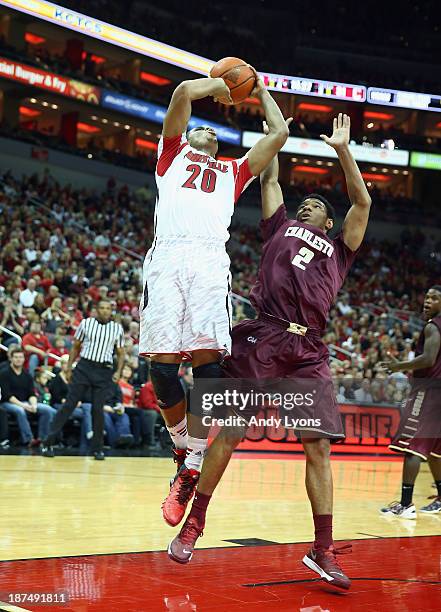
pixel 341 132
pixel 266 128
pixel 390 366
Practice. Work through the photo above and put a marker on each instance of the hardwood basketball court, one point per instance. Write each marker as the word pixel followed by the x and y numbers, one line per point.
pixel 94 531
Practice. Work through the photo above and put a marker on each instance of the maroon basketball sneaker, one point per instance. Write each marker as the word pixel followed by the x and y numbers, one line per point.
pixel 181 491
pixel 323 561
pixel 181 547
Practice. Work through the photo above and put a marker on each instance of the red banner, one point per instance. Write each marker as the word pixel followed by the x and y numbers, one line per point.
pixel 49 81
pixel 363 425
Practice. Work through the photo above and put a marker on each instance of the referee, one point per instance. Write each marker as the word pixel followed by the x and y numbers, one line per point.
pixel 94 341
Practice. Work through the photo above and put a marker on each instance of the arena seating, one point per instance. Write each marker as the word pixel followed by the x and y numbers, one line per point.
pixel 79 246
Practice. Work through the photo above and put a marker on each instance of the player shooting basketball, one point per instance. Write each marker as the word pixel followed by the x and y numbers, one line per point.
pixel 186 307
pixel 301 272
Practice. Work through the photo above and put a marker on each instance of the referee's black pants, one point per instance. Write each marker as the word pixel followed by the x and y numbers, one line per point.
pixel 88 376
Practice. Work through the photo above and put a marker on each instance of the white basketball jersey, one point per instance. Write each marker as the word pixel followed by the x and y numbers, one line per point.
pixel 196 193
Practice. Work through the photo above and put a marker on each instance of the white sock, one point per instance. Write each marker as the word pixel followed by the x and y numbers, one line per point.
pixel 179 434
pixel 195 453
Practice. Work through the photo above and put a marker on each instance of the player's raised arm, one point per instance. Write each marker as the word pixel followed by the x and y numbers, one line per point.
pixel 179 110
pixel 355 223
pixel 272 196
pixel 267 148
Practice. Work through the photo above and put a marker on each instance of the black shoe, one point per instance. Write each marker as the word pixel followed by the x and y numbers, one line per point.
pixel 124 441
pixel 99 455
pixel 47 450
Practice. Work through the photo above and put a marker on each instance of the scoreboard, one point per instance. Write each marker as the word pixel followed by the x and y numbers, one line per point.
pixel 314 87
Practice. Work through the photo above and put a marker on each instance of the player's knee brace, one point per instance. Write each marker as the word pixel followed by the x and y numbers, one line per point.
pixel 166 383
pixel 208 370
pixel 203 386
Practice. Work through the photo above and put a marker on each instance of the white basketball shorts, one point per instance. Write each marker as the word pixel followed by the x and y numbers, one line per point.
pixel 186 302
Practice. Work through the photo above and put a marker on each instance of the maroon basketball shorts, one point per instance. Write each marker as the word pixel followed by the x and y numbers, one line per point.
pixel 419 432
pixel 293 368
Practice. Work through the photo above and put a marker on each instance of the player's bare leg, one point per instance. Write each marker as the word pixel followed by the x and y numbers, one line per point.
pixel 319 478
pixel 205 366
pixel 322 556
pixel 216 460
pixel 435 467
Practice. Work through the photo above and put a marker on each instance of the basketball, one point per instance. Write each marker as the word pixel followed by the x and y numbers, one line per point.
pixel 238 75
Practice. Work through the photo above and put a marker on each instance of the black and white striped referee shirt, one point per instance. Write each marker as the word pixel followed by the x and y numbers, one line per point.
pixel 99 339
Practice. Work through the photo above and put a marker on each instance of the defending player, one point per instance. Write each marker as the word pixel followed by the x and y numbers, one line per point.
pixel 301 271
pixel 185 309
pixel 419 433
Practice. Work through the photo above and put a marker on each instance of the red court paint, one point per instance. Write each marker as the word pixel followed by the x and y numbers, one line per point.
pixel 392 574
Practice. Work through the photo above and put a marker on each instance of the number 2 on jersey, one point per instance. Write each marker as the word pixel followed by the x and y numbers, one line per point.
pixel 303 257
pixel 208 183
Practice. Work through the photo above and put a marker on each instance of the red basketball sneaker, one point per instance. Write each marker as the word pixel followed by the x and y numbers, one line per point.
pixel 181 491
pixel 179 457
pixel 181 547
pixel 323 561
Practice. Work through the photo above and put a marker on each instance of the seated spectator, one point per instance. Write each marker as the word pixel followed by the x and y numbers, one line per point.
pixel 338 396
pixel 116 421
pixel 58 349
pixel 36 345
pixel 41 387
pixel 347 388
pixel 54 316
pixel 10 320
pixel 39 304
pixel 363 394
pixel 19 398
pixel 58 388
pixel 344 306
pixel 28 295
pixel 4 428
pixel 143 417
pixel 148 402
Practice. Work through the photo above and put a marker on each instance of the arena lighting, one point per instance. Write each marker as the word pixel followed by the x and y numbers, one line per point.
pixel 309 147
pixel 106 32
pixel 376 115
pixel 379 178
pixel 310 170
pixel 146 144
pixel 29 112
pixel 154 79
pixel 97 59
pixel 34 39
pixel 438 125
pixel 318 108
pixel 86 127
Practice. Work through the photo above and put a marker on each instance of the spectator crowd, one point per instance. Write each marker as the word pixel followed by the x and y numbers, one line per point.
pixel 64 249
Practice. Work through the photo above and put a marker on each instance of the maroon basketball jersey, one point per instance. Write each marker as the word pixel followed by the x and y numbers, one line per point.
pixel 435 370
pixel 301 271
